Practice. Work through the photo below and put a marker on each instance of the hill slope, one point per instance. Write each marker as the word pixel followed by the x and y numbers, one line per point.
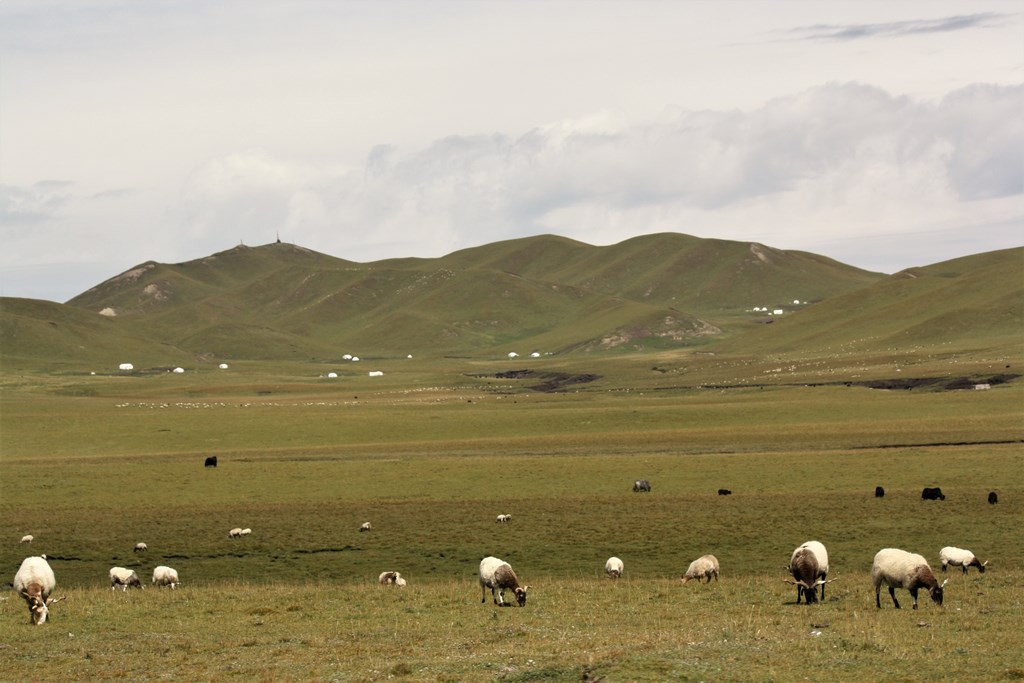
pixel 546 293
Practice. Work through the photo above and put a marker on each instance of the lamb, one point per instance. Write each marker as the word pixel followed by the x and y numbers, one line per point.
pixel 705 566
pixel 140 548
pixel 245 532
pixel 365 526
pixel 498 576
pixel 958 557
pixel 503 518
pixel 807 572
pixel 613 567
pixel 125 578
pixel 900 569
pixel 28 538
pixel 235 533
pixel 166 576
pixel 34 582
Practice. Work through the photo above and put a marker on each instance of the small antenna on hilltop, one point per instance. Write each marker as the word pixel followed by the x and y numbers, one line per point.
pixel 278 233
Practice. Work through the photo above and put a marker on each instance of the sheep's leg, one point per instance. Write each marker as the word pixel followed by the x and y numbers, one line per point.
pixel 892 592
pixel 501 597
pixel 944 565
pixel 964 567
pixel 878 600
pixel 823 591
pixel 913 594
pixel 483 593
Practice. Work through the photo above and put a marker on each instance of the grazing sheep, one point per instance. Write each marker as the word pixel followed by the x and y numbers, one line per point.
pixel 125 578
pixel 932 493
pixel 724 492
pixel 900 569
pixel 165 576
pixel 498 576
pixel 34 582
pixel 958 557
pixel 388 578
pixel 809 567
pixel 641 486
pixel 703 567
pixel 235 533
pixel 993 498
pixel 613 567
pixel 245 532
pixel 211 461
pixel 27 538
pixel 365 526
pixel 879 492
pixel 140 547
pixel 400 582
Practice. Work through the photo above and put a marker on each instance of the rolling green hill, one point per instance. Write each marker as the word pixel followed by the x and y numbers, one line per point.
pixel 545 293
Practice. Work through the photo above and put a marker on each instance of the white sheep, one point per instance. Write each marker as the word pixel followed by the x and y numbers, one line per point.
pixel 28 538
pixel 958 557
pixel 613 567
pixel 140 547
pixel 125 578
pixel 498 576
pixel 235 533
pixel 34 582
pixel 900 569
pixel 365 526
pixel 809 565
pixel 388 578
pixel 503 518
pixel 705 566
pixel 245 532
pixel 166 576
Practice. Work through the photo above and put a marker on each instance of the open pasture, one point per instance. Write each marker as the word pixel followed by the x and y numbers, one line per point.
pixel 90 473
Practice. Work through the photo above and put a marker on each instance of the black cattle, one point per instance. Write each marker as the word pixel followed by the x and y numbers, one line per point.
pixel 993 498
pixel 724 492
pixel 932 494
pixel 210 461
pixel 641 486
pixel 879 492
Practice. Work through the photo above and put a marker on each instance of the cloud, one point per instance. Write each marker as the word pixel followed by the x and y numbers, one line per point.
pixel 36 203
pixel 826 162
pixel 897 28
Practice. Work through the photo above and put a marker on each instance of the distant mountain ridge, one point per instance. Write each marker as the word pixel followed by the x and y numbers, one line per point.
pixel 662 291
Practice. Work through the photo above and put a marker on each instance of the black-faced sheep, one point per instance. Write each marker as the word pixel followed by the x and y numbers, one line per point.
pixel 365 526
pixel 498 576
pixel 804 567
pixel 140 548
pixel 34 582
pixel 613 567
pixel 125 578
pixel 900 569
pixel 958 557
pixel 165 576
pixel 390 579
pixel 641 486
pixel 703 567
pixel 821 556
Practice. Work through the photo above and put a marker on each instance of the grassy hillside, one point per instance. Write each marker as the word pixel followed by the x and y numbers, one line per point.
pixel 546 294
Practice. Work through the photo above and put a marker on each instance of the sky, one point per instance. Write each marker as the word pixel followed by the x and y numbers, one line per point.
pixel 882 134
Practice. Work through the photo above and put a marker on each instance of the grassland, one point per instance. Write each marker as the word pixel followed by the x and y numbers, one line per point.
pixel 431 452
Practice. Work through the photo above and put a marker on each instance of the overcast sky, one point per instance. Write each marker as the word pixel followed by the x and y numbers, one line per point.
pixel 882 134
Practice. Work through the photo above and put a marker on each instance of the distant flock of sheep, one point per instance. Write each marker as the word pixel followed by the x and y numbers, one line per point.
pixel 808 566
